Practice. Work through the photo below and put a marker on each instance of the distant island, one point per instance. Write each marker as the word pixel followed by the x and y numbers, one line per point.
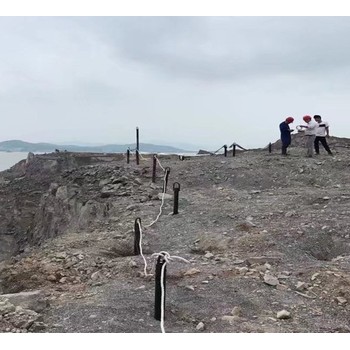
pixel 22 146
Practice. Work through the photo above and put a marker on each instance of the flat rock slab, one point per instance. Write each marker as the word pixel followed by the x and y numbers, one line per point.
pixel 33 300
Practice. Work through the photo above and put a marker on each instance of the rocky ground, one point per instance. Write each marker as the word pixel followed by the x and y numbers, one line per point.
pixel 267 239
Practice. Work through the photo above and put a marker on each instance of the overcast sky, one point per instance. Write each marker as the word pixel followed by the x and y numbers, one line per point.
pixel 206 81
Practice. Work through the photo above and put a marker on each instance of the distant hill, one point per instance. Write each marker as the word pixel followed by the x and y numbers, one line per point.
pixel 22 146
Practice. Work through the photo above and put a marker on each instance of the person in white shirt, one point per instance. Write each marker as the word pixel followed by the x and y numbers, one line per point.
pixel 310 133
pixel 322 132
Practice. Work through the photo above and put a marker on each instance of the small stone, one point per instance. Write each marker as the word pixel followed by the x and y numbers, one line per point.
pixel 166 196
pixel 290 213
pixel 283 314
pixel 209 255
pixel 131 207
pixel 268 266
pixel 6 307
pixel 191 272
pixel 51 278
pixel 326 198
pixel 61 255
pixel 230 318
pixel 236 311
pixel 213 319
pixel 205 282
pixel 200 326
pixel 281 287
pixel 270 280
pixel 341 300
pixel 96 276
pixel 38 326
pixel 300 286
pixel 243 270
pixel 190 288
pixel 314 276
pixel 133 264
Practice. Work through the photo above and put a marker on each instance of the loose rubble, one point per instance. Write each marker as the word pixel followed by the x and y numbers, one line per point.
pixel 267 238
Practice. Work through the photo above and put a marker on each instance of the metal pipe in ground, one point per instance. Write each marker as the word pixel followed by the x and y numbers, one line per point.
pixel 176 189
pixel 167 172
pixel 158 302
pixel 137 236
pixel 154 168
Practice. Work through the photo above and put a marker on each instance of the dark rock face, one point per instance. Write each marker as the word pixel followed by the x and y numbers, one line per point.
pixel 45 195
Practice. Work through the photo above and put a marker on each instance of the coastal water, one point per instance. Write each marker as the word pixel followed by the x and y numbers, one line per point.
pixel 8 159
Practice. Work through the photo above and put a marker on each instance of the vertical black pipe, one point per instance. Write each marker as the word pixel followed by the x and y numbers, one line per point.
pixel 137 157
pixel 270 147
pixel 225 150
pixel 167 171
pixel 154 168
pixel 137 139
pixel 176 189
pixel 234 151
pixel 128 156
pixel 137 236
pixel 158 289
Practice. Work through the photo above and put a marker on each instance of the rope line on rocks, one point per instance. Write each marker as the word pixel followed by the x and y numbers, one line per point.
pixel 163 195
pixel 167 258
pixel 142 157
pixel 159 163
pixel 141 253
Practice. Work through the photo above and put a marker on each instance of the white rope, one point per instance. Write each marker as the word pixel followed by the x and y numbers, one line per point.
pixel 161 206
pixel 159 163
pixel 162 300
pixel 140 246
pixel 142 157
pixel 167 258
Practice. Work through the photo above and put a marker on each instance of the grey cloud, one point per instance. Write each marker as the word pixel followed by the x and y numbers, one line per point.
pixel 230 48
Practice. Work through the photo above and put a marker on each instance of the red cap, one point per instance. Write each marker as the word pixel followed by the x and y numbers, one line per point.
pixel 289 120
pixel 306 118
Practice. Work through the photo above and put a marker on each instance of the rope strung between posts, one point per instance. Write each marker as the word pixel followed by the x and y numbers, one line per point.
pixel 167 258
pixel 140 246
pixel 161 205
pixel 159 163
pixel 142 157
pixel 218 150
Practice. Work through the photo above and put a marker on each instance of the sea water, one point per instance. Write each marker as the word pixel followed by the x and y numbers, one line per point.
pixel 8 159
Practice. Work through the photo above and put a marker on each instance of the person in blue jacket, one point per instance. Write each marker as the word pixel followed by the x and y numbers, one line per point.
pixel 285 134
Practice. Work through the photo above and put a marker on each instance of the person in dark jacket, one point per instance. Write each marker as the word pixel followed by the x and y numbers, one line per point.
pixel 285 134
